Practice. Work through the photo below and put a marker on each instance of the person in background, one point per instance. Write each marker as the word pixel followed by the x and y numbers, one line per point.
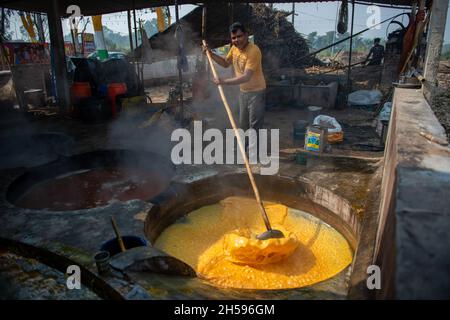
pixel 377 53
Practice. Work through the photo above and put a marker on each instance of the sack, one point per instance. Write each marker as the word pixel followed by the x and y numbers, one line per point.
pixel 328 122
pixel 335 133
pixel 364 98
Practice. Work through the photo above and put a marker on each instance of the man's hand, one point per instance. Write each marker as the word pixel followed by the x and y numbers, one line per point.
pixel 218 81
pixel 205 48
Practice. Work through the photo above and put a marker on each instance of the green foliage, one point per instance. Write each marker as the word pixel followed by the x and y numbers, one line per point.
pixel 114 40
pixel 110 45
pixel 317 42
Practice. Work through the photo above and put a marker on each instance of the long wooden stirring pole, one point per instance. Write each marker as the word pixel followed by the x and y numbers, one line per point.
pixel 119 238
pixel 241 146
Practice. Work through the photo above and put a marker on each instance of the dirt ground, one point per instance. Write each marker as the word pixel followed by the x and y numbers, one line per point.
pixel 358 124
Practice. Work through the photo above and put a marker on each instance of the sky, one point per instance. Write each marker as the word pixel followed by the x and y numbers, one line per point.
pixel 320 17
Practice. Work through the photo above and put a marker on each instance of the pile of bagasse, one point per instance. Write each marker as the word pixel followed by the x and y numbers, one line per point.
pixel 281 45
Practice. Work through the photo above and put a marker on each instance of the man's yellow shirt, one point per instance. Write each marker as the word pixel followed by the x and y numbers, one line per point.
pixel 249 58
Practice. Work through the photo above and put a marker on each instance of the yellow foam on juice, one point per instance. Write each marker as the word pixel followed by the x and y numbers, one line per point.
pixel 242 246
pixel 200 240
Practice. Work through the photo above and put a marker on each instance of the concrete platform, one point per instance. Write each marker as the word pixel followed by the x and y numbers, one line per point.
pixel 59 239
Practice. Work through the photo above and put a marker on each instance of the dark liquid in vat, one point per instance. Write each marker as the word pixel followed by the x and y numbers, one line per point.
pixel 94 188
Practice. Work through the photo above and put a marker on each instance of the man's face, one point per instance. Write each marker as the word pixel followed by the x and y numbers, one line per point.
pixel 239 39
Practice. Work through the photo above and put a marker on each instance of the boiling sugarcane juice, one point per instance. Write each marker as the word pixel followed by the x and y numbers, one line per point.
pixel 200 240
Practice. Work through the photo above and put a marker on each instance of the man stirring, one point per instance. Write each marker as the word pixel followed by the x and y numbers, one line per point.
pixel 246 60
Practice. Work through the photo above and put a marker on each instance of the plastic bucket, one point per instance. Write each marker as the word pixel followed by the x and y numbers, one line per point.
pixel 81 90
pixel 112 245
pixel 115 89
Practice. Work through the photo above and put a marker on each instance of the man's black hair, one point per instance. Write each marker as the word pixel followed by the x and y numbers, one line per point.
pixel 237 26
pixel 377 40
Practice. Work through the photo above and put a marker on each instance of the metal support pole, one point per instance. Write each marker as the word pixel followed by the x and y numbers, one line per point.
pixel 39 27
pixel 2 23
pixel 130 31
pixel 335 28
pixel 180 73
pixel 74 41
pixel 136 65
pixel 349 87
pixel 135 27
pixel 293 13
pixel 141 62
pixel 57 47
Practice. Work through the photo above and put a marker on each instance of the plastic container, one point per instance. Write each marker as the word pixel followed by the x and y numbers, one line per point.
pixel 81 90
pixel 112 245
pixel 315 139
pixel 115 89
